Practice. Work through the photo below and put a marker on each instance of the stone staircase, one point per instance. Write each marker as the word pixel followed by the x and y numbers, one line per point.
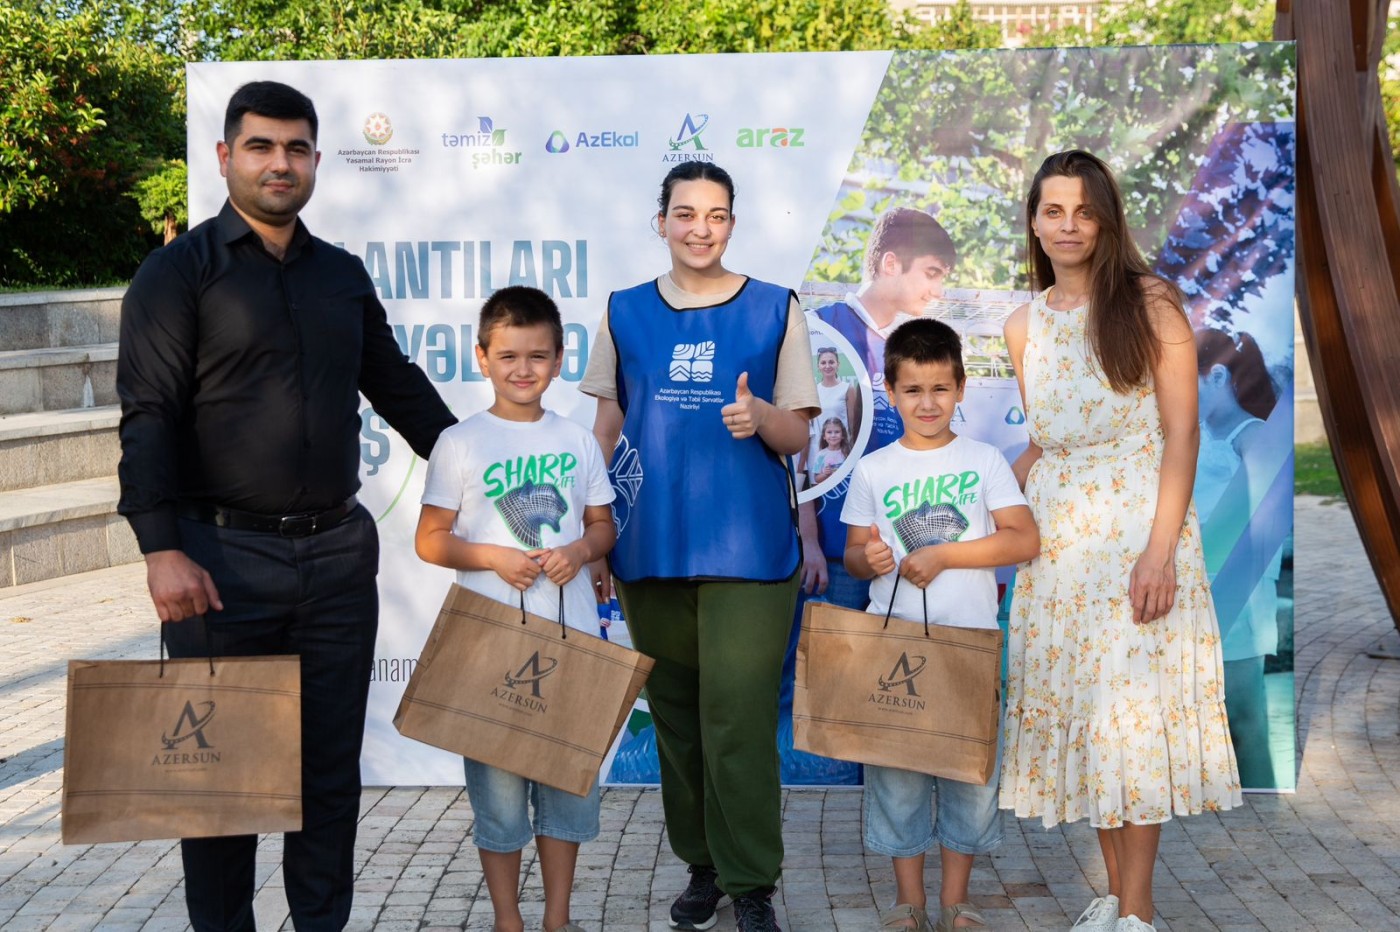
pixel 58 436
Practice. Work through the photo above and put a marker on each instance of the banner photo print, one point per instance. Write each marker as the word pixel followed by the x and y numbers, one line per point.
pixel 452 179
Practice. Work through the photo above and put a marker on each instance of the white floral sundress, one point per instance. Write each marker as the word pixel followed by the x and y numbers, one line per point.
pixel 1106 719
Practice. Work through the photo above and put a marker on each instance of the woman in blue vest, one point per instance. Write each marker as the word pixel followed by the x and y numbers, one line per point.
pixel 704 385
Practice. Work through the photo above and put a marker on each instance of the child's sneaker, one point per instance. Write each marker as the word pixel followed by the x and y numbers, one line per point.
pixel 1101 916
pixel 753 912
pixel 694 909
pixel 897 915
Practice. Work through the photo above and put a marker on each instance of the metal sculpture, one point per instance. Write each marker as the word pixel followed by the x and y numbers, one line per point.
pixel 1349 259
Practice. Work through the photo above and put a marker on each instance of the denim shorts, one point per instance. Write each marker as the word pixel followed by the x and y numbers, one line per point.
pixel 501 802
pixel 899 813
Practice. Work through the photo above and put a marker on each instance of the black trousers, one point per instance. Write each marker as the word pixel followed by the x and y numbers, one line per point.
pixel 316 597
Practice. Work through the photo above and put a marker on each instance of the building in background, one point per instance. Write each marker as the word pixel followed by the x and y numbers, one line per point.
pixel 1016 18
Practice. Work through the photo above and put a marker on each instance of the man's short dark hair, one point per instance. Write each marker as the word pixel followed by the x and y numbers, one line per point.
pixel 910 234
pixel 519 306
pixel 271 99
pixel 923 340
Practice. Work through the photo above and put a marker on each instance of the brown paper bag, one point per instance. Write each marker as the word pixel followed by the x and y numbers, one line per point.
pixel 164 749
pixel 519 696
pixel 896 697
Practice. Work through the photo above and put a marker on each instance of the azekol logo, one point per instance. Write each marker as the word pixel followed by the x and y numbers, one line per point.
pixel 688 138
pixel 531 672
pixel 190 724
pixel 556 143
pixel 1015 415
pixel 897 689
pixel 192 721
pixel 693 362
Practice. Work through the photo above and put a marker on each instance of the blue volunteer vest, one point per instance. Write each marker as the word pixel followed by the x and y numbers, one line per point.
pixel 693 502
pixel 885 428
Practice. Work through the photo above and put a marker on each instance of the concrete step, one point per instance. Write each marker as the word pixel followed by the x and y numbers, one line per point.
pixel 45 447
pixel 59 318
pixel 67 527
pixel 57 378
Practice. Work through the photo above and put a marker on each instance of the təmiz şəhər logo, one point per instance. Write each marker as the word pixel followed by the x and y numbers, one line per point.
pixel 193 719
pixel 522 688
pixel 686 145
pixel 487 144
pixel 558 141
pixel 898 689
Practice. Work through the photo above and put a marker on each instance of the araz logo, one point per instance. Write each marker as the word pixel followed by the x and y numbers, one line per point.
pixel 558 142
pixel 779 137
pixel 531 672
pixel 378 129
pixel 903 674
pixel 488 144
pixel 693 362
pixel 190 724
pixel 689 136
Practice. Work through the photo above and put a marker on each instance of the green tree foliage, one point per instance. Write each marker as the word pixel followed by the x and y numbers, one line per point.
pixel 962 135
pixel 82 113
pixel 161 195
pixel 1171 22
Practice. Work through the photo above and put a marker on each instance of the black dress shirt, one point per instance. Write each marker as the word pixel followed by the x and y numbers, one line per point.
pixel 239 378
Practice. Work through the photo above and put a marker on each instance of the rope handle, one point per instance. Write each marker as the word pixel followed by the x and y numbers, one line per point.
pixel 208 643
pixel 893 593
pixel 563 628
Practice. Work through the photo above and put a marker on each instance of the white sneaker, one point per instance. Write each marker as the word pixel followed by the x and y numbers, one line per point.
pixel 1101 915
pixel 1133 924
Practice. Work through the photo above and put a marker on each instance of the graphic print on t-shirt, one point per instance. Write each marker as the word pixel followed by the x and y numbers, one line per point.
pixel 525 491
pixel 926 512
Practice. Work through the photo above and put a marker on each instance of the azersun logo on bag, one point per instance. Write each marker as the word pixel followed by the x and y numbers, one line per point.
pixel 531 672
pixel 901 675
pixel 189 724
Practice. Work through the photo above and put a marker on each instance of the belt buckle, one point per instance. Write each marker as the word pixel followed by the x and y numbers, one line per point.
pixel 297 525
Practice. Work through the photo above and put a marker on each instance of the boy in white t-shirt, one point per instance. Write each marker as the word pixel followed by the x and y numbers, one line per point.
pixel 517 501
pixel 943 512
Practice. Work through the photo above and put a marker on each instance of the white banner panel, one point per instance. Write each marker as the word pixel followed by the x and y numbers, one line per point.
pixel 451 178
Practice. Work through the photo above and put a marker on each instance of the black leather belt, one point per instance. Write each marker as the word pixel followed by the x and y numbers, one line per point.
pixel 298 525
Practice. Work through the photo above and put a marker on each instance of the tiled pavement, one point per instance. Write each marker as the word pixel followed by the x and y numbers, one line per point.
pixel 1325 858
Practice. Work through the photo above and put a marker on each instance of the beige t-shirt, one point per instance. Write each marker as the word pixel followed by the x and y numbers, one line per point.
pixel 794 385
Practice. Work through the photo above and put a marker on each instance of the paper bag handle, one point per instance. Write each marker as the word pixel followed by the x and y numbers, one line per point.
pixel 563 629
pixel 208 643
pixel 893 592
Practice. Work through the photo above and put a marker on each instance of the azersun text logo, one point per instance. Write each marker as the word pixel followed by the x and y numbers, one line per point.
pixel 378 129
pixel 686 145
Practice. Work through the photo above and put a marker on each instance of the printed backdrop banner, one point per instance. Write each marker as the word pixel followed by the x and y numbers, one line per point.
pixel 450 179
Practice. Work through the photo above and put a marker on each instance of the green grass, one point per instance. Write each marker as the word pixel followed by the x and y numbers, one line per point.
pixel 1314 473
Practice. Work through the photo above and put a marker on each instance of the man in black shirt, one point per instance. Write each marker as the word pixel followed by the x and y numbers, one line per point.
pixel 244 346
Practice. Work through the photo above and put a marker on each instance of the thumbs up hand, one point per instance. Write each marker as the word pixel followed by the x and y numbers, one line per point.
pixel 878 553
pixel 744 415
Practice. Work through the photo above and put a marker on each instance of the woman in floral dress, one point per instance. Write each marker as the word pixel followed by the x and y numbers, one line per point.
pixel 1115 710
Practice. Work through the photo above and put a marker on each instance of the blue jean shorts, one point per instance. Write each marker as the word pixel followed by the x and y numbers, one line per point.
pixel 900 819
pixel 501 803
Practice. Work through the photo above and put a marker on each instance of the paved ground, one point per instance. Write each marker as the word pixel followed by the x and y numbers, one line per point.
pixel 1325 858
